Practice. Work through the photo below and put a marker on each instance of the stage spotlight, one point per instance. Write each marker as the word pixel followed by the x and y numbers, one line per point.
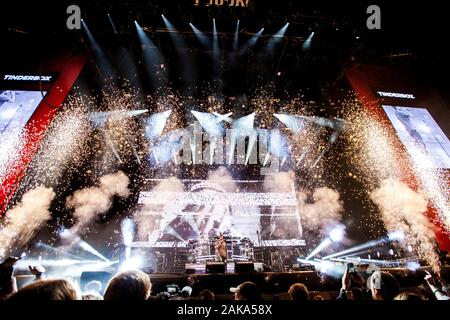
pixel 215 38
pixel 152 58
pixel 87 247
pixel 100 56
pixel 127 227
pixel 236 37
pixel 336 235
pixel 251 42
pixel 112 23
pixel 75 239
pixel 396 235
pixel 132 263
pixel 307 43
pixel 57 250
pixel 156 123
pixel 294 123
pixel 275 39
pixel 187 74
pixel 200 36
pixel 99 119
pixel 324 244
pixel 412 265
pixel 357 248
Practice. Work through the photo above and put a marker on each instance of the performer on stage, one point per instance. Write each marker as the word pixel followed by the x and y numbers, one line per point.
pixel 221 249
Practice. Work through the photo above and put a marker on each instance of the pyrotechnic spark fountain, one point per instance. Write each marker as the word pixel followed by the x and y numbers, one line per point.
pixel 403 209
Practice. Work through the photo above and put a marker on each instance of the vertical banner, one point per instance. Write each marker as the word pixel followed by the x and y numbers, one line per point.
pixel 37 124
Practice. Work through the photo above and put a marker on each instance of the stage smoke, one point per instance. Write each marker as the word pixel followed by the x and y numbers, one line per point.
pixel 324 211
pixel 402 209
pixel 147 226
pixel 90 202
pixel 24 219
pixel 223 177
pixel 279 182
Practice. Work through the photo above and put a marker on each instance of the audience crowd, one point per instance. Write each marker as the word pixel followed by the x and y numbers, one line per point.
pixel 135 285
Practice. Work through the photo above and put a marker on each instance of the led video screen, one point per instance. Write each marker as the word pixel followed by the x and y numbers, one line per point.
pixel 417 130
pixel 16 108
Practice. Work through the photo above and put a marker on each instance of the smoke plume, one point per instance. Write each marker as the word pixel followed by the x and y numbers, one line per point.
pixel 222 177
pixel 148 225
pixel 402 209
pixel 90 202
pixel 24 219
pixel 326 209
pixel 279 182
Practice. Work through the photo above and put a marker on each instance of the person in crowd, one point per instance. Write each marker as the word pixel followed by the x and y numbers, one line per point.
pixel 409 296
pixel 207 295
pixel 8 283
pixel 91 296
pixel 247 291
pixel 438 293
pixel 299 292
pixel 346 284
pixel 46 290
pixel 93 287
pixel 129 285
pixel 357 294
pixel 37 271
pixel 184 294
pixel 382 285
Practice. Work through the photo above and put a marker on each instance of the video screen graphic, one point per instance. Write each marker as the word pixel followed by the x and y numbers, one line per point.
pixel 205 209
pixel 417 129
pixel 16 108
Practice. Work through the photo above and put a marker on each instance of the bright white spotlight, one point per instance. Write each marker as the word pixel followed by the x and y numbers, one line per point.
pixel 200 36
pixel 131 264
pixel 236 37
pixel 307 43
pixel 412 265
pixel 127 227
pixel 276 38
pixel 337 233
pixel 325 243
pixel 396 235
pixel 251 42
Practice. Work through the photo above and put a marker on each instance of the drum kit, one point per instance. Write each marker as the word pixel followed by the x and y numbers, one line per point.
pixel 238 249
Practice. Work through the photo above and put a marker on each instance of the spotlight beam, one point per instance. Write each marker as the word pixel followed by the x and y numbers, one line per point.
pixel 236 37
pixel 251 42
pixel 152 57
pixel 57 250
pixel 336 235
pixel 112 23
pixel 99 54
pixel 201 37
pixel 215 38
pixel 307 44
pixel 276 39
pixel 324 244
pixel 181 48
pixel 360 247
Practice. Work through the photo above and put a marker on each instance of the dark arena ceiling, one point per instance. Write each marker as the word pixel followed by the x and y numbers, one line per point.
pixel 411 35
